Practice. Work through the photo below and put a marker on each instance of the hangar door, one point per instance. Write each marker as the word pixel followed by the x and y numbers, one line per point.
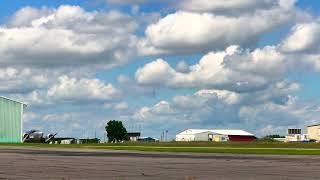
pixel 10 121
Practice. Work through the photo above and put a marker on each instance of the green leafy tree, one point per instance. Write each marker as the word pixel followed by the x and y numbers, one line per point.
pixel 274 136
pixel 116 132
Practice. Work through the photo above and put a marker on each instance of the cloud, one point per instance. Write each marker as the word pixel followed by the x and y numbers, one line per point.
pixel 126 2
pixel 155 72
pixel 223 6
pixel 132 89
pixel 75 90
pixel 191 32
pixel 314 61
pixel 13 80
pixel 182 67
pixel 67 36
pixel 304 38
pixel 121 106
pixel 36 98
pixel 224 109
pixel 65 124
pixel 233 6
pixel 287 4
pixel 234 69
pixel 26 15
pixel 29 116
pixel 57 118
pixel 302 44
pixel 225 96
pixel 50 58
pixel 277 93
pixel 162 110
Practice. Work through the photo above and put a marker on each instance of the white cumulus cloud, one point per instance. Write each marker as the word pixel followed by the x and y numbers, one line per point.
pixel 190 32
pixel 303 38
pixel 74 90
pixel 225 5
pixel 233 69
pixel 67 36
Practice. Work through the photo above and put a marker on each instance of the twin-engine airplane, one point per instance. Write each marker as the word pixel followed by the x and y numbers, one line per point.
pixel 35 136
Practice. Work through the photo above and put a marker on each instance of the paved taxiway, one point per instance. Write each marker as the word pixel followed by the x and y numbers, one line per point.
pixel 35 163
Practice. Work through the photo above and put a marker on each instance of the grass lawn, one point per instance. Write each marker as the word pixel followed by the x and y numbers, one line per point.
pixel 199 147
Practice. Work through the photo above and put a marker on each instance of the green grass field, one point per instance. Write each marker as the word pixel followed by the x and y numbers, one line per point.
pixel 199 147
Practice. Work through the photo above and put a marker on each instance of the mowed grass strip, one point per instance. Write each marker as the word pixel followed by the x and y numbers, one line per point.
pixel 198 147
pixel 254 144
pixel 230 150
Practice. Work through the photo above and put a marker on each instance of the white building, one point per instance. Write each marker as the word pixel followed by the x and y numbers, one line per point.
pixel 295 135
pixel 214 135
pixel 296 138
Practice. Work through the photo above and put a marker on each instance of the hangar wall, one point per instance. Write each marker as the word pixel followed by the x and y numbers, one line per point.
pixel 314 132
pixel 10 121
pixel 202 136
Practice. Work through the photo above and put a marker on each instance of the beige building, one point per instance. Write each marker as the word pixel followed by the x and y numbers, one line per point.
pixel 314 132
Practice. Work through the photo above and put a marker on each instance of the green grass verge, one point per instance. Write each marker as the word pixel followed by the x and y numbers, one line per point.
pixel 272 148
pixel 270 151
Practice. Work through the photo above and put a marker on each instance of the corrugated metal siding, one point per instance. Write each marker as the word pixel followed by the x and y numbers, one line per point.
pixel 10 121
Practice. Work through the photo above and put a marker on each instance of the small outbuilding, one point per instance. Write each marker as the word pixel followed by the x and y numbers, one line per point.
pixel 148 139
pixel 65 140
pixel 214 135
pixel 133 136
pixel 11 113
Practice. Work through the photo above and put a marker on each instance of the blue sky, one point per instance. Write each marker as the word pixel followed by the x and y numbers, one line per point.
pixel 162 65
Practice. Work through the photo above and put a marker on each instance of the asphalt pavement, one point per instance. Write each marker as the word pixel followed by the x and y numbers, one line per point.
pixel 49 163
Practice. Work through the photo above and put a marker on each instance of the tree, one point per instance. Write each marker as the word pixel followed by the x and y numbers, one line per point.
pixel 274 136
pixel 270 138
pixel 116 132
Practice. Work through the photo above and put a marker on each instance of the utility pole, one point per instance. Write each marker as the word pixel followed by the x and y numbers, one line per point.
pixel 166 135
pixel 104 137
pixel 163 139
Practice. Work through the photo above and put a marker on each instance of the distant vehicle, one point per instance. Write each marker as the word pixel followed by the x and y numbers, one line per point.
pixel 35 136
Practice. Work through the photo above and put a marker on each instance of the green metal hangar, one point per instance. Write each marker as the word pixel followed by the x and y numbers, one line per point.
pixel 11 120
